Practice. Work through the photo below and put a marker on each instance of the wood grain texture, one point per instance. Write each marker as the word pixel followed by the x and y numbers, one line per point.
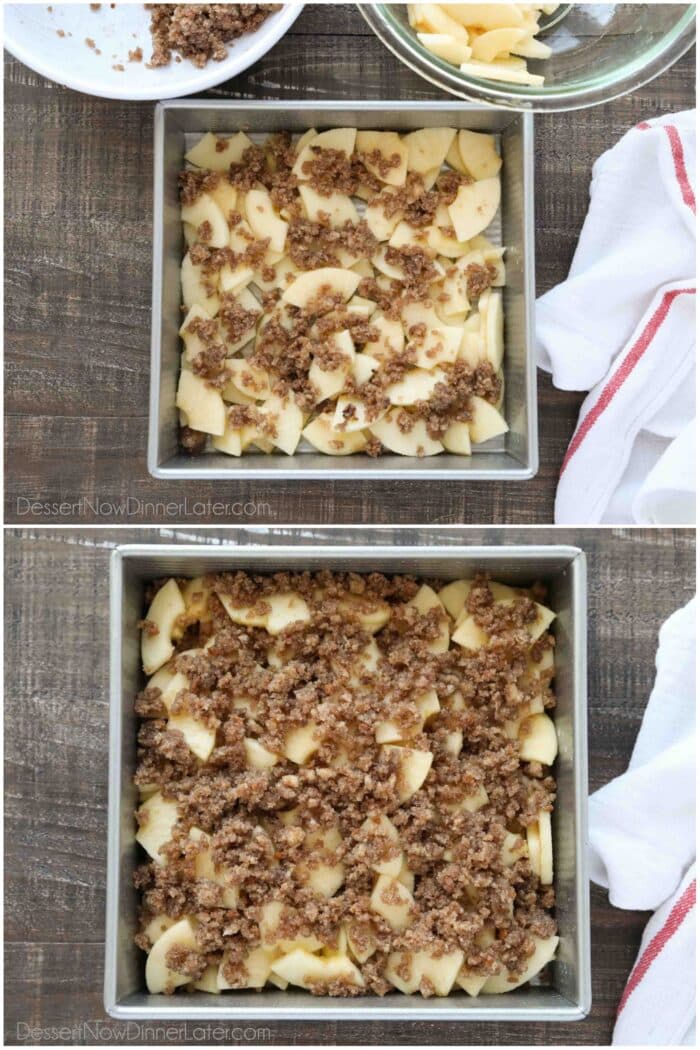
pixel 78 271
pixel 56 715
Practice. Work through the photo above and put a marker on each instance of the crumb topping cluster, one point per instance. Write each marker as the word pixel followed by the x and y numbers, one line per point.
pixel 200 32
pixel 345 784
pixel 339 289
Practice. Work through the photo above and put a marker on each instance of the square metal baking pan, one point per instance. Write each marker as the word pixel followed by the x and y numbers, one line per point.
pixel 564 570
pixel 177 126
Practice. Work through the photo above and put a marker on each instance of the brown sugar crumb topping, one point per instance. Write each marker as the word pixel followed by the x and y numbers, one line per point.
pixel 201 32
pixel 271 830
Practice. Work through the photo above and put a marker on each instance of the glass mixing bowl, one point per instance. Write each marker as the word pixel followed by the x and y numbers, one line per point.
pixel 600 51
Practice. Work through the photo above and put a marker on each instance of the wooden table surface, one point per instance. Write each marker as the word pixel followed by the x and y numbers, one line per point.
pixel 78 272
pixel 56 717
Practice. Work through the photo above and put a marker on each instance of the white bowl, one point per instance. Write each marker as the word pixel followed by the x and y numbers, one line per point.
pixel 32 36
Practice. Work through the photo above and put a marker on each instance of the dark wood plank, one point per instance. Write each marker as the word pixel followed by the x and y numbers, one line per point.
pixel 56 714
pixel 77 273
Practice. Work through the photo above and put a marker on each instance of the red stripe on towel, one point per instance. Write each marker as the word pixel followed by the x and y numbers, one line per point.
pixel 624 371
pixel 677 915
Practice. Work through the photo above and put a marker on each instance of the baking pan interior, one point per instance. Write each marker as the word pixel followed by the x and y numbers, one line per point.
pixel 179 124
pixel 567 995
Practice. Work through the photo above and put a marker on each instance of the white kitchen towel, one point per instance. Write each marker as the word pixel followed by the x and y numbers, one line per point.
pixel 622 326
pixel 642 846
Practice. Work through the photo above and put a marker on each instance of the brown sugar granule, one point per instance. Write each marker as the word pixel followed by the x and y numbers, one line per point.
pixel 201 32
pixel 235 318
pixel 95 7
pixel 377 160
pixel 479 279
pixel 118 68
pixel 330 171
pixel 247 685
pixel 192 441
pixel 136 55
pixel 451 401
pixel 60 32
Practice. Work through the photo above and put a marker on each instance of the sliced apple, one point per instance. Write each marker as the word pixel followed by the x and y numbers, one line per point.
pixel 545 949
pixel 157 926
pixel 264 221
pixel 205 868
pixel 199 737
pixel 372 613
pixel 159 978
pixel 494 329
pixel 338 207
pixel 208 982
pixel 434 19
pixel 341 139
pixel 286 608
pixel 233 279
pixel 440 971
pixel 305 970
pixel 538 740
pixel 486 422
pixel 393 902
pixel 413 442
pixel 207 218
pixel 488 16
pixel 390 338
pixel 446 47
pixel 470 636
pixel 546 849
pixel 474 207
pixel 353 414
pixel 301 743
pixel 532 837
pixel 480 157
pixel 163 613
pixel 257 966
pixel 202 405
pixel 329 382
pixel 454 596
pixel 425 601
pixel 413 768
pixel 170 684
pixel 287 420
pixel 320 433
pixel 417 384
pixel 428 147
pixel 257 756
pixel 196 290
pixel 457 439
pixel 218 154
pixel 514 847
pixel 380 224
pixel 384 154
pixel 156 818
pixel 249 378
pixel 489 45
pixel 315 284
pixel 362 943
pixel 501 71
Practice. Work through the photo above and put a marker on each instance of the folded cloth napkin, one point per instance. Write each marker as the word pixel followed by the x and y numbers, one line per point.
pixel 642 844
pixel 622 326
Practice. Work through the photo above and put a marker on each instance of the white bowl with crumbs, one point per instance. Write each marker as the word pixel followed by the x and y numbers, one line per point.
pixel 106 49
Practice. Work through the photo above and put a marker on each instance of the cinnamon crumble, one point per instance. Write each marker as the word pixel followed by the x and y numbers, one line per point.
pixel 345 784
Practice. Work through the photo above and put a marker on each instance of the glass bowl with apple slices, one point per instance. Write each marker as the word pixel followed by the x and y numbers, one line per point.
pixel 569 56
